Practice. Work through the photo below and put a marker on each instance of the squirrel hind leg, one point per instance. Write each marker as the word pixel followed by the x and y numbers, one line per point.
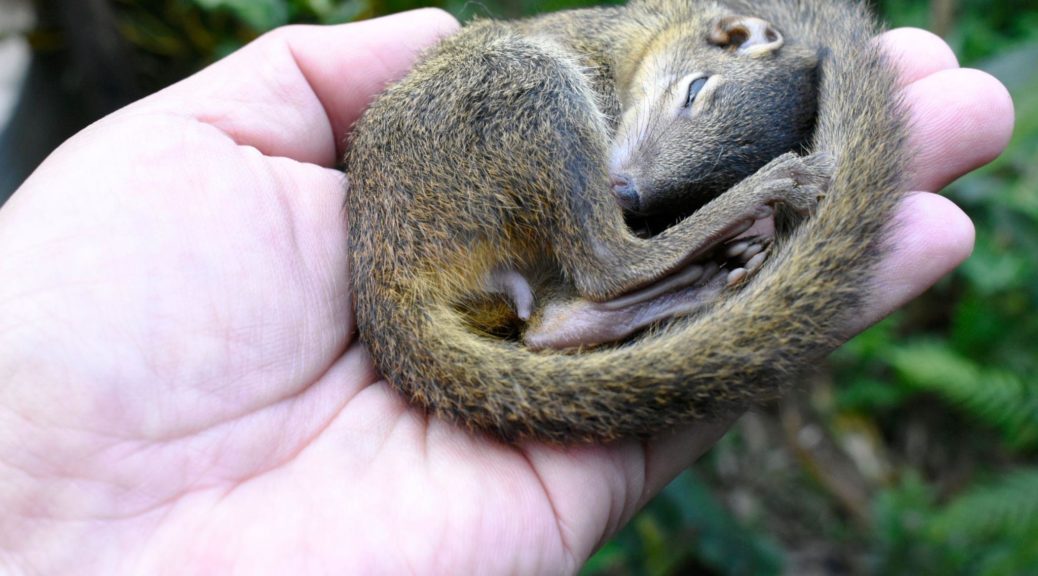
pixel 580 323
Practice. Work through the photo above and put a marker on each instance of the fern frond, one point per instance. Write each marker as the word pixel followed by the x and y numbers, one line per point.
pixel 999 398
pixel 1007 507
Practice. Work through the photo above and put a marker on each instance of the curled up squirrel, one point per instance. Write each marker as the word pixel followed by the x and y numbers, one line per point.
pixel 559 227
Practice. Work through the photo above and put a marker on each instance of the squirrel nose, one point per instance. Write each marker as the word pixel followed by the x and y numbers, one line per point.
pixel 626 192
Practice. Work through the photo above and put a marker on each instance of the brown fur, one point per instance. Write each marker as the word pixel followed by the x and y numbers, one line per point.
pixel 493 153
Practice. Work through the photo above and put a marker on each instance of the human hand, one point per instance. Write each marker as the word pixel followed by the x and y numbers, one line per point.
pixel 182 388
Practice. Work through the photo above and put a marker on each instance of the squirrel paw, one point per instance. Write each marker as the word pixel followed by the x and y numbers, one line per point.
pixel 744 256
pixel 799 181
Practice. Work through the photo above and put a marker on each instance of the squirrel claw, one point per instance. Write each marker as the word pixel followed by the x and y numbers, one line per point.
pixel 804 180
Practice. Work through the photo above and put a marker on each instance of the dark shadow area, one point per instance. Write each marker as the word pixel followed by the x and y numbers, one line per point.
pixel 80 71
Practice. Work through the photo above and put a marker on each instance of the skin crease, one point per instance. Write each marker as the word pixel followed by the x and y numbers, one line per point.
pixel 181 388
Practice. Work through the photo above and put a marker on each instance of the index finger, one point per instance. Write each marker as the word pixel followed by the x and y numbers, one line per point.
pixel 296 91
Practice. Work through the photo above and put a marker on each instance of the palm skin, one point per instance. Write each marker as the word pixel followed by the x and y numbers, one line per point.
pixel 182 389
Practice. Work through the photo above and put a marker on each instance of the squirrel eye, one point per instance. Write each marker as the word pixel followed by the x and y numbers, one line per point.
pixel 693 89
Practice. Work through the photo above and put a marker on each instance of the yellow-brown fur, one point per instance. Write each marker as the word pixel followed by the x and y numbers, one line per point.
pixel 492 154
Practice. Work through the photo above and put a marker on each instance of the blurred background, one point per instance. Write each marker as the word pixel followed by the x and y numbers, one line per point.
pixel 911 451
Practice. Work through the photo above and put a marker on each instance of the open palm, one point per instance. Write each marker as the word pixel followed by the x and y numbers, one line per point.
pixel 180 386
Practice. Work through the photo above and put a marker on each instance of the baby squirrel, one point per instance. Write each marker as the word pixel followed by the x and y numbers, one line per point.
pixel 495 279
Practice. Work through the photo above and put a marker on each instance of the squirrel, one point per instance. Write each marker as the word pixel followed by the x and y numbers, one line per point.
pixel 496 281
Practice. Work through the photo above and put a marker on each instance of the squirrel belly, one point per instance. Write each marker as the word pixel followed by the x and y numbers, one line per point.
pixel 497 280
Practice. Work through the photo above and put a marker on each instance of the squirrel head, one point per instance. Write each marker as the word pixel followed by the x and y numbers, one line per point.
pixel 702 111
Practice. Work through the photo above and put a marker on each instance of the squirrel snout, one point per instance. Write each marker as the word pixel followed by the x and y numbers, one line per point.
pixel 626 192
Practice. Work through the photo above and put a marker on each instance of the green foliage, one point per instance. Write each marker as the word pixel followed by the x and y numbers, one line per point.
pixel 1007 506
pixel 901 515
pixel 993 396
pixel 259 14
pixel 979 29
pixel 991 530
pixel 172 38
pixel 263 15
pixel 687 530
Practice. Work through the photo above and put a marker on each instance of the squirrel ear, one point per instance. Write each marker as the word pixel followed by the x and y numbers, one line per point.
pixel 745 35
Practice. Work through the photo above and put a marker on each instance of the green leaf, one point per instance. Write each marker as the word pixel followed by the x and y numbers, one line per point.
pixel 1007 507
pixel 992 268
pixel 866 394
pixel 336 11
pixel 722 542
pixel 261 15
pixel 900 541
pixel 996 397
